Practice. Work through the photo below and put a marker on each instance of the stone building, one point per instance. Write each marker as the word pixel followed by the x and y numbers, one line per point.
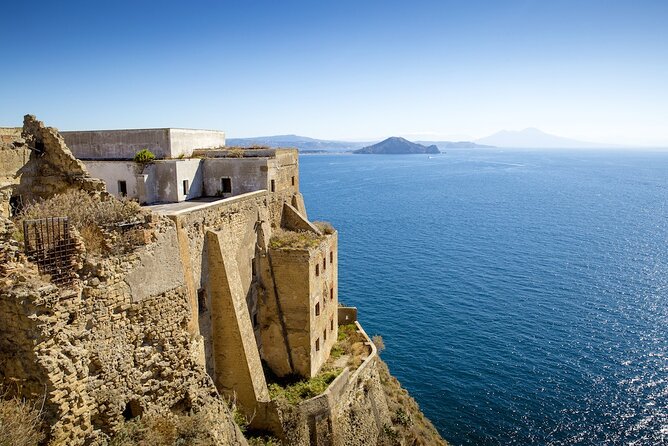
pixel 189 164
pixel 249 301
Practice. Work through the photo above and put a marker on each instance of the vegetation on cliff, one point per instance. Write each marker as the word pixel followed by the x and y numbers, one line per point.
pixel 409 425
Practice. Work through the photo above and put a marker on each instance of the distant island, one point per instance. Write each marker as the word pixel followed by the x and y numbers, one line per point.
pixel 397 146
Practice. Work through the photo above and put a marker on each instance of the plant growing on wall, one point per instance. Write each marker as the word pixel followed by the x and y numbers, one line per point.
pixel 144 156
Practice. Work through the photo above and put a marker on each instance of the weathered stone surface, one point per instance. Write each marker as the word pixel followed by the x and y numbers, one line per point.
pixel 51 168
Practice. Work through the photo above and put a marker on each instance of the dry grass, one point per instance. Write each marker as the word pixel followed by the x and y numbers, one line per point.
pixel 282 239
pixel 165 430
pixel 96 219
pixel 325 227
pixel 20 422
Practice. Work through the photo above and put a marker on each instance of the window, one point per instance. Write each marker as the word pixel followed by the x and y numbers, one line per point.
pixel 324 335
pixel 331 257
pixel 331 293
pixel 317 345
pixel 317 309
pixel 324 264
pixel 122 188
pixel 255 323
pixel 185 187
pixel 317 270
pixel 253 268
pixel 273 185
pixel 226 185
pixel 331 324
pixel 293 181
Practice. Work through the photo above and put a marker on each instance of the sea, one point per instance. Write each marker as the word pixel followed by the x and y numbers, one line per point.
pixel 522 295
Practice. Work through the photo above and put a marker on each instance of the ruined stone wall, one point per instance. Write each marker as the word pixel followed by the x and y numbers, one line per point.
pixel 13 156
pixel 113 348
pixel 51 168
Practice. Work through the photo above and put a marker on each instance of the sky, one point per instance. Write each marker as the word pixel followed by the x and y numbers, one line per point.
pixel 587 69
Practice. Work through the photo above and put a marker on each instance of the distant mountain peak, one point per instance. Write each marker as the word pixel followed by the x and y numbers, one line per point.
pixel 532 137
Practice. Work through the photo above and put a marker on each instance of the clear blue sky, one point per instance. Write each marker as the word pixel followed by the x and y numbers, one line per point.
pixel 593 70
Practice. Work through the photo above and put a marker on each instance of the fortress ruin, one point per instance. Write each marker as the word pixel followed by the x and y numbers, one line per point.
pixel 223 284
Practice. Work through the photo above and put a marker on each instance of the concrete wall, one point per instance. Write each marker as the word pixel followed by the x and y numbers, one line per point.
pixel 184 141
pixel 117 144
pixel 246 175
pixel 190 170
pixel 111 172
pixel 124 144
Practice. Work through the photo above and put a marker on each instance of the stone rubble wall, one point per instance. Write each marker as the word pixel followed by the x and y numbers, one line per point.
pixel 53 171
pixel 99 354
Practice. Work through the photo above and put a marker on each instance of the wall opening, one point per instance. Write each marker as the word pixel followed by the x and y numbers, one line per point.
pixel 331 293
pixel 201 301
pixel 273 185
pixel 255 321
pixel 331 324
pixel 226 185
pixel 293 181
pixel 317 309
pixel 324 264
pixel 122 188
pixel 132 410
pixel 15 205
pixel 324 334
pixel 331 257
pixel 317 270
pixel 185 187
pixel 317 345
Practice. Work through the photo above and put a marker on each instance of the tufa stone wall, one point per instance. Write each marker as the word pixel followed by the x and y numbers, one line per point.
pixel 51 168
pixel 104 352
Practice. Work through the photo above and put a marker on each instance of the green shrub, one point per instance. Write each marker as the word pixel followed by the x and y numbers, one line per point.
pixel 304 389
pixel 144 156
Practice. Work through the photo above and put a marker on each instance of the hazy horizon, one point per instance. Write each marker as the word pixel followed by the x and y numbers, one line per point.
pixel 429 70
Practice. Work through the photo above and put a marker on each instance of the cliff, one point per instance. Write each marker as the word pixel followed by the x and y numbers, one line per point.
pixel 186 322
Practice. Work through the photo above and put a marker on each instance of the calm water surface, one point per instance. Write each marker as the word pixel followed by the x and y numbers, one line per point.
pixel 522 296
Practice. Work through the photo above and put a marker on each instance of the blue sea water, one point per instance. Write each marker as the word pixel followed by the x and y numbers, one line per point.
pixel 522 295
